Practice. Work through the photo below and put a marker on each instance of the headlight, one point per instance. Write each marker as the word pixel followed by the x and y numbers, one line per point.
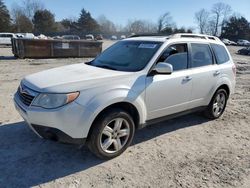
pixel 45 100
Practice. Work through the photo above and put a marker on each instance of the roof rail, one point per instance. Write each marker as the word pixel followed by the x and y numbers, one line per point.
pixel 191 35
pixel 147 35
pixel 177 35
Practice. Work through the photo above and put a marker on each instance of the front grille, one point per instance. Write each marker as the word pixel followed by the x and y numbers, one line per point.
pixel 24 96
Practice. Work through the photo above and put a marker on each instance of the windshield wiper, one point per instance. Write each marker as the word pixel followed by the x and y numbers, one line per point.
pixel 106 67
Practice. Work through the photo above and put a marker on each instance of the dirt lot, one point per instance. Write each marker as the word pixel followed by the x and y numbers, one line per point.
pixel 185 152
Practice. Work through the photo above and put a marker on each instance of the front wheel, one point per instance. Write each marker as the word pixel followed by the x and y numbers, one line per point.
pixel 217 105
pixel 111 134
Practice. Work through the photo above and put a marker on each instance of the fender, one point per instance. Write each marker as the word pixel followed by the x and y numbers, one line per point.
pixel 101 101
pixel 222 81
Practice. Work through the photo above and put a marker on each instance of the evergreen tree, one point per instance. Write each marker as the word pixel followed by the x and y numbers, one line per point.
pixel 236 28
pixel 5 21
pixel 44 21
pixel 86 23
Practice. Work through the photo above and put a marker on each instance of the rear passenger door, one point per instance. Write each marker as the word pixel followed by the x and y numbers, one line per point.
pixel 204 73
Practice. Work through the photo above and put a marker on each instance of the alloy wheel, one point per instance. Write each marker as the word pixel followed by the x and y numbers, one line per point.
pixel 219 104
pixel 115 135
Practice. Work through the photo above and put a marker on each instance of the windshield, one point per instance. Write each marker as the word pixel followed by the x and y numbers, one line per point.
pixel 127 55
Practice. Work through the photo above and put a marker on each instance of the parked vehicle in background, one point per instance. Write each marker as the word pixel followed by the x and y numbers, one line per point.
pixel 99 37
pixel 70 37
pixel 25 35
pixel 113 37
pixel 57 37
pixel 229 42
pixel 233 43
pixel 244 51
pixel 5 38
pixel 242 42
pixel 226 41
pixel 136 82
pixel 89 37
pixel 123 37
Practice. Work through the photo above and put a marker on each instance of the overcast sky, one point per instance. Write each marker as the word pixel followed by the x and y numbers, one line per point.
pixel 120 12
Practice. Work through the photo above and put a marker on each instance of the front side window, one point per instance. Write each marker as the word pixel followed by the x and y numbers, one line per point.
pixel 127 55
pixel 201 55
pixel 176 55
pixel 220 53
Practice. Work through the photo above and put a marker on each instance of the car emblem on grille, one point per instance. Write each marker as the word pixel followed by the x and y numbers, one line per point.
pixel 23 90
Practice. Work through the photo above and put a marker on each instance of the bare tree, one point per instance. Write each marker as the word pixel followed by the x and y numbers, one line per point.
pixel 140 26
pixel 165 21
pixel 21 22
pixel 202 19
pixel 220 13
pixel 31 6
pixel 150 27
pixel 106 25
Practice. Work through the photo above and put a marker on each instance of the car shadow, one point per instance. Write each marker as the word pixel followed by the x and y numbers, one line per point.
pixel 7 58
pixel 26 160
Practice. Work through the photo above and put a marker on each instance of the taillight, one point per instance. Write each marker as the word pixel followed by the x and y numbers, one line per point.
pixel 234 69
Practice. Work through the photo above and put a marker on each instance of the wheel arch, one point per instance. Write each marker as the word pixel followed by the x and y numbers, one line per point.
pixel 220 86
pixel 226 87
pixel 124 105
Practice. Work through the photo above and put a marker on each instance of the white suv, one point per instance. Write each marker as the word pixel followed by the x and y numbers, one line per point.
pixel 136 82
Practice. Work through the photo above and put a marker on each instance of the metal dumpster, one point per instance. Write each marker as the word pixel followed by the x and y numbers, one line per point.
pixel 40 48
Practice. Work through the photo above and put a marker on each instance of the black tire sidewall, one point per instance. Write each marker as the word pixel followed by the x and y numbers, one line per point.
pixel 210 107
pixel 98 127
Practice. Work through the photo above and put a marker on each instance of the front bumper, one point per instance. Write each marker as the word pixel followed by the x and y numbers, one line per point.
pixel 56 135
pixel 65 124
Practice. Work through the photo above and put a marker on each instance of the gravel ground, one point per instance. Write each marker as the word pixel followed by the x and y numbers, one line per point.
pixel 189 151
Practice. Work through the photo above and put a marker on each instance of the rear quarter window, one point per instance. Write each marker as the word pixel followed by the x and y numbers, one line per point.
pixel 220 53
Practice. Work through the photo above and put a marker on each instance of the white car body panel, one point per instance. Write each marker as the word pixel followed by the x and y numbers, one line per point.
pixel 173 87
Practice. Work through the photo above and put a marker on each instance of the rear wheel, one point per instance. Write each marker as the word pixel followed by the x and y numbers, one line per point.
pixel 111 134
pixel 217 105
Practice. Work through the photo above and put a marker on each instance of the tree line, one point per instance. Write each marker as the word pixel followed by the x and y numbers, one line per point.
pixel 221 21
pixel 32 16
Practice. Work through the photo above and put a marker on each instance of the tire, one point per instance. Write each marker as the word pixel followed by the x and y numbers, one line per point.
pixel 215 110
pixel 111 134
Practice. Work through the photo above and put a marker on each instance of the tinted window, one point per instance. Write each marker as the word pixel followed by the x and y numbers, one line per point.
pixel 220 53
pixel 201 55
pixel 176 55
pixel 127 55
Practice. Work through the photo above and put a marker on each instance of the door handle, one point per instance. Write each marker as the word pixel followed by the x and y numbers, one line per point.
pixel 187 78
pixel 216 73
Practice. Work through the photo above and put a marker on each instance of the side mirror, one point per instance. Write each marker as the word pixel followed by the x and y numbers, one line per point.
pixel 163 68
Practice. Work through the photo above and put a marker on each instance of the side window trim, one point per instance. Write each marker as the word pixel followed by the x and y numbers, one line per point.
pixel 213 55
pixel 174 43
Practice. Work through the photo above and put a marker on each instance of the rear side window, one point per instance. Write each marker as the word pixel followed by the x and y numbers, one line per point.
pixel 220 53
pixel 201 55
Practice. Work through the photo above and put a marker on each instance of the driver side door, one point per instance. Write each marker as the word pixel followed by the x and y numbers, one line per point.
pixel 169 94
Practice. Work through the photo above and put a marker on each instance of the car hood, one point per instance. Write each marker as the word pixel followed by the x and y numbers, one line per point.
pixel 72 78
